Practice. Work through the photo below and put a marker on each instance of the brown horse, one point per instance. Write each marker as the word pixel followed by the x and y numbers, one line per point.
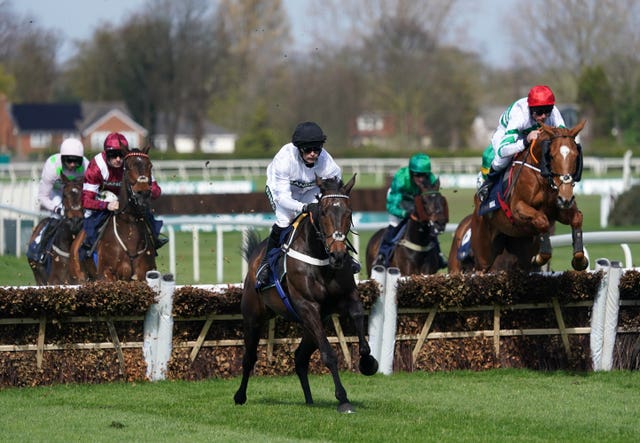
pixel 417 251
pixel 541 181
pixel 505 261
pixel 125 250
pixel 318 282
pixel 55 269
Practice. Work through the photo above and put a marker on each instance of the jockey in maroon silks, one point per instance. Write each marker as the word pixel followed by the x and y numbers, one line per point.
pixel 104 173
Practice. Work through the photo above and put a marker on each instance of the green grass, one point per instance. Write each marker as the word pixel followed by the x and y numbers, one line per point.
pixel 15 271
pixel 491 406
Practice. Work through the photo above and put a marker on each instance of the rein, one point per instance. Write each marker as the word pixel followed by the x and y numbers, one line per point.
pixel 335 236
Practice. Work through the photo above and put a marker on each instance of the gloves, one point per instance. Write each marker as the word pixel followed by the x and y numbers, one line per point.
pixel 310 207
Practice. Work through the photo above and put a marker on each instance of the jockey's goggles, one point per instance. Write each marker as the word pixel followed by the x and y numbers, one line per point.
pixel 72 159
pixel 115 153
pixel 540 110
pixel 308 149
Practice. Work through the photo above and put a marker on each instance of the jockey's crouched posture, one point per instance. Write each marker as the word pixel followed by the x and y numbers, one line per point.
pixel 517 129
pixel 71 162
pixel 105 173
pixel 400 202
pixel 291 184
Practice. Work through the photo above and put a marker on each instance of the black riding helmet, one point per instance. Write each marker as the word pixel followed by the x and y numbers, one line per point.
pixel 308 136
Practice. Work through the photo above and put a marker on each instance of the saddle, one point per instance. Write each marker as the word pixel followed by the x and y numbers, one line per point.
pixel 464 250
pixel 38 250
pixel 496 198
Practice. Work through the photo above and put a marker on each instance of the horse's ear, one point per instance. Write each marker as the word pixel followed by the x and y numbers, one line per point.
pixel 577 128
pixel 436 184
pixel 64 178
pixel 146 149
pixel 350 183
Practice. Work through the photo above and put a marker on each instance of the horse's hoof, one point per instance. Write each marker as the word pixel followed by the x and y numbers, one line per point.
pixel 239 398
pixel 346 408
pixel 368 365
pixel 580 264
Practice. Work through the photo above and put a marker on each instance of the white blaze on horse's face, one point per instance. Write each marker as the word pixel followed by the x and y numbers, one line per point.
pixel 143 179
pixel 565 151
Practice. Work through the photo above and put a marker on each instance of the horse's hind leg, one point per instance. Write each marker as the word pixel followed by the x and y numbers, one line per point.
pixel 252 327
pixel 302 356
pixel 251 338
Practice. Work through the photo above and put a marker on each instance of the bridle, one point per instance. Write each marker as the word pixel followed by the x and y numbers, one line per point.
pixel 329 239
pixel 136 199
pixel 545 163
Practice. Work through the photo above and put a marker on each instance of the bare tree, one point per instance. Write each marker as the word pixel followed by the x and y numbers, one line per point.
pixel 566 37
pixel 28 52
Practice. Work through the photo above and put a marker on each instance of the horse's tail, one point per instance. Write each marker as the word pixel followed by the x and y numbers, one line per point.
pixel 252 241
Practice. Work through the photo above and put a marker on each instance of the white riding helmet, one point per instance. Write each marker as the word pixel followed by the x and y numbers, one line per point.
pixel 72 146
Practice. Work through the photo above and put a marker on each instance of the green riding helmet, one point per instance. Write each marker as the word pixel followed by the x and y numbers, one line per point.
pixel 420 164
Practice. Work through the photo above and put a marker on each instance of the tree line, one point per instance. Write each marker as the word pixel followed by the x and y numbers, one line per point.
pixel 236 63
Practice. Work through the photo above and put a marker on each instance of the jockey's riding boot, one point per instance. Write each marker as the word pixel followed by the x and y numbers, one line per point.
pixel 160 242
pixel 485 188
pixel 46 234
pixel 442 261
pixel 385 245
pixel 355 266
pixel 262 274
pixel 84 251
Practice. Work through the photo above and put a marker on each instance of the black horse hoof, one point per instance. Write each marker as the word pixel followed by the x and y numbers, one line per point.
pixel 346 408
pixel 368 365
pixel 580 263
pixel 240 399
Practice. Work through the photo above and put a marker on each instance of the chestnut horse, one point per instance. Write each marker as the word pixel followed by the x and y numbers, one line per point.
pixel 55 269
pixel 417 251
pixel 541 181
pixel 318 282
pixel 125 250
pixel 505 261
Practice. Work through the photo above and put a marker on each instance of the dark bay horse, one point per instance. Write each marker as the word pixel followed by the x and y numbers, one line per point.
pixel 417 252
pixel 125 250
pixel 55 269
pixel 318 282
pixel 541 181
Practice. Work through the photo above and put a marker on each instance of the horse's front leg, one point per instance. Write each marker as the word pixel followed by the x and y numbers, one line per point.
pixel 368 364
pixel 528 215
pixel 579 262
pixel 309 313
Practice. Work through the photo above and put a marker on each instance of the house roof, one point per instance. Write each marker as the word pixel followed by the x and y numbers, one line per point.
pixel 185 127
pixel 46 116
pixel 95 113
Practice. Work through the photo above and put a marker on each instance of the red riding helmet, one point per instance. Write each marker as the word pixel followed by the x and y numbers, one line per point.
pixel 541 95
pixel 115 140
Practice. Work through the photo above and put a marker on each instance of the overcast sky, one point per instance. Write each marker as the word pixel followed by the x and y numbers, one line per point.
pixel 76 20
